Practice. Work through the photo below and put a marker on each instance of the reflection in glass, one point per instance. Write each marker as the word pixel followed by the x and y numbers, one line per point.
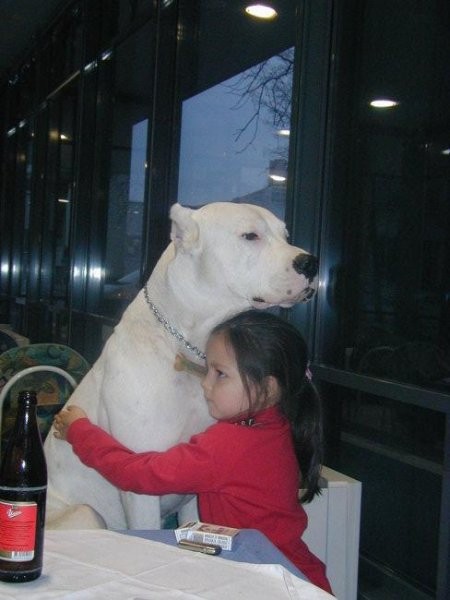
pixel 62 195
pixel 236 104
pixel 126 193
pixel 28 133
pixel 126 160
pixel 396 315
pixel 234 142
pixel 397 452
pixel 388 301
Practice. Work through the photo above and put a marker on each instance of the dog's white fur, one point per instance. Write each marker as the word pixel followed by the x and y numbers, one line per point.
pixel 213 268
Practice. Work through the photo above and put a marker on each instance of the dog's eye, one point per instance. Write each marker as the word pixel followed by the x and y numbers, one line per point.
pixel 250 236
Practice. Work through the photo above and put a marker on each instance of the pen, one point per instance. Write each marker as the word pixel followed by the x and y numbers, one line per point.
pixel 199 547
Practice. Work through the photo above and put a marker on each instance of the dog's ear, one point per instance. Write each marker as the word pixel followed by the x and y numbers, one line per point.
pixel 184 233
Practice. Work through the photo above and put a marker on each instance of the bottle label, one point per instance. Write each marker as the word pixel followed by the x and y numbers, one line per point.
pixel 17 530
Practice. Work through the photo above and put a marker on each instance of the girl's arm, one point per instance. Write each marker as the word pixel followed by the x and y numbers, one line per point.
pixel 185 468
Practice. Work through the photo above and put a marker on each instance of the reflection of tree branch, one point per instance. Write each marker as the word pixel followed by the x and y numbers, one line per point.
pixel 254 118
pixel 241 131
pixel 267 85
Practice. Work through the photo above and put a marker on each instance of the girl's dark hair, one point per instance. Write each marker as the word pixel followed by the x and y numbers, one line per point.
pixel 264 345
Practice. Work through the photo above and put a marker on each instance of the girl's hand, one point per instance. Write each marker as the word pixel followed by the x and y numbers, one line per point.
pixel 64 419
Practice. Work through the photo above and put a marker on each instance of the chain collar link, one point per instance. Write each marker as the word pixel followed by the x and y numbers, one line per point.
pixel 172 330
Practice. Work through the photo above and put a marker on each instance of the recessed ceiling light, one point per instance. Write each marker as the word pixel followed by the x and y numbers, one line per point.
pixel 277 177
pixel 383 103
pixel 261 11
pixel 284 132
pixel 106 55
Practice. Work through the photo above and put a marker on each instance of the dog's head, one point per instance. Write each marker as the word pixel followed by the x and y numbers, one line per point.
pixel 241 252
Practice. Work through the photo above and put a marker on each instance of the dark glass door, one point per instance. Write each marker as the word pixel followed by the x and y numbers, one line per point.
pixel 384 308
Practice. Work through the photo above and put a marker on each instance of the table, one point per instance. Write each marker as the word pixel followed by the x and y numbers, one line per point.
pixel 250 546
pixel 108 565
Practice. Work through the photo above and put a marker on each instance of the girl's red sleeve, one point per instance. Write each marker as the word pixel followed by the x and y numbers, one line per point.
pixel 186 468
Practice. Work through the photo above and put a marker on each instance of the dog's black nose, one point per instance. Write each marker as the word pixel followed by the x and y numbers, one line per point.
pixel 307 265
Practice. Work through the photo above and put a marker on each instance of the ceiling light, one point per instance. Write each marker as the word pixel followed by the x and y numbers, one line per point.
pixel 446 152
pixel 261 11
pixel 90 66
pixel 284 132
pixel 106 55
pixel 383 103
pixel 278 170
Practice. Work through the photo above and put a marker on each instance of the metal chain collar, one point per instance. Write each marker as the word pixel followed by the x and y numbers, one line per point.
pixel 170 329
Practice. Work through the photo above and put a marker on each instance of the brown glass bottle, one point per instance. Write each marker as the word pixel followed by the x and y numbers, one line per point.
pixel 23 490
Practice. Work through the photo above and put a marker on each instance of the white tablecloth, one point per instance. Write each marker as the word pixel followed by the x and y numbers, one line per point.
pixel 92 565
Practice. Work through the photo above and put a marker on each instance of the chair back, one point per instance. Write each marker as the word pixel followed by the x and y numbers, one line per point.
pixel 52 370
pixel 6 341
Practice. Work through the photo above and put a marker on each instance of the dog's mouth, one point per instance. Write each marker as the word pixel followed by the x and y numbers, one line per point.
pixel 308 294
pixel 305 296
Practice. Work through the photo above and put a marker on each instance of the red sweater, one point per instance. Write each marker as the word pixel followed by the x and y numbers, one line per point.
pixel 245 477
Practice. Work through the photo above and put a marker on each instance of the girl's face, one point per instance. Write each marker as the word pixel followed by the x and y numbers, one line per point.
pixel 222 385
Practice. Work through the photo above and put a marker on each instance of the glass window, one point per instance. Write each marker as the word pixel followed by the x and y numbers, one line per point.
pixel 64 190
pixel 108 20
pixel 21 92
pixel 394 140
pixel 15 238
pixel 66 46
pixel 384 309
pixel 51 204
pixel 9 188
pixel 236 106
pixel 396 451
pixel 128 105
pixel 25 190
pixel 127 12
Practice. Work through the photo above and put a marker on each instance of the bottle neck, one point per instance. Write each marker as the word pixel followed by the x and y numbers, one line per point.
pixel 26 420
pixel 23 463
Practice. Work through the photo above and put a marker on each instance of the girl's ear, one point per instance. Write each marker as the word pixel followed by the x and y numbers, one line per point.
pixel 272 390
pixel 184 232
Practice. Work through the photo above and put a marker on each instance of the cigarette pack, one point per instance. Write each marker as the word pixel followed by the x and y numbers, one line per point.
pixel 207 533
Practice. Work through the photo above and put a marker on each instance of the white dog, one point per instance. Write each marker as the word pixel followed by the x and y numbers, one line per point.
pixel 224 258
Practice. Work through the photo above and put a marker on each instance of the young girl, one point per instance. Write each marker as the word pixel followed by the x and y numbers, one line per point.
pixel 247 467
